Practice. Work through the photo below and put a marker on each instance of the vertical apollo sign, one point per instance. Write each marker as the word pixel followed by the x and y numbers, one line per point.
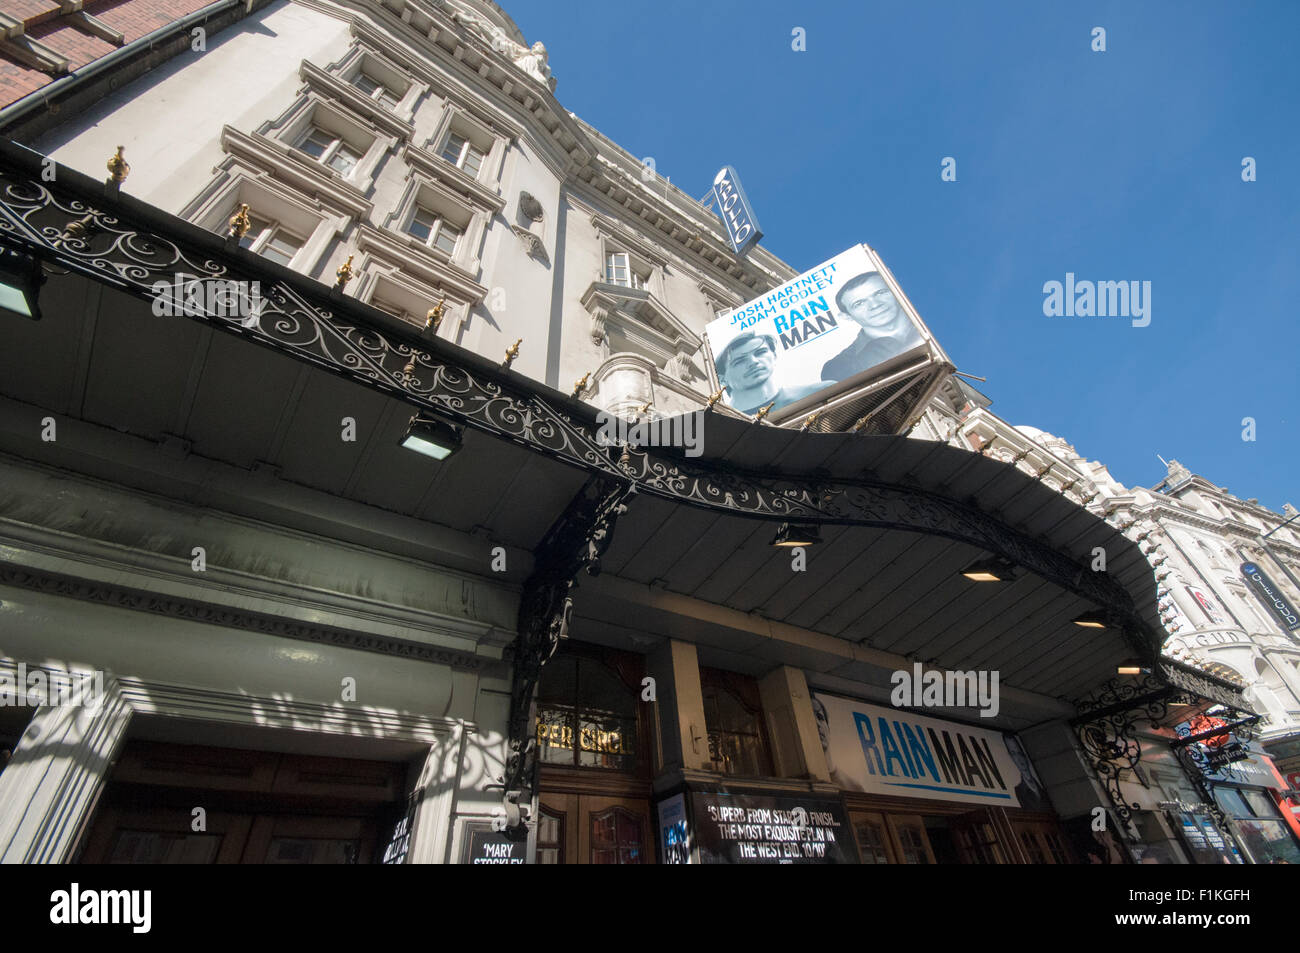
pixel 1267 593
pixel 737 214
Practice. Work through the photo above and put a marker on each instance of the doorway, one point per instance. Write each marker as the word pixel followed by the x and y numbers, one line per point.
pixel 591 829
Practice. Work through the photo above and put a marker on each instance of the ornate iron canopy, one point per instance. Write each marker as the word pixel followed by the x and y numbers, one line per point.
pixel 85 226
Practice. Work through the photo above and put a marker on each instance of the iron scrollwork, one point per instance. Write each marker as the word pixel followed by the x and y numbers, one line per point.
pixel 574 544
pixel 73 222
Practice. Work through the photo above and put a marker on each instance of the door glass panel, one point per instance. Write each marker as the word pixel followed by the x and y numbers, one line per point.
pixel 615 838
pixel 911 839
pixel 157 847
pixel 302 850
pixel 871 840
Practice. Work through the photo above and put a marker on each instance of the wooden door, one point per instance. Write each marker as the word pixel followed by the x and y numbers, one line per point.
pixel 121 836
pixel 586 829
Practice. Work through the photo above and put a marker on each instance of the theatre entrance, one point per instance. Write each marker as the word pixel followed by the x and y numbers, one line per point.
pixel 593 743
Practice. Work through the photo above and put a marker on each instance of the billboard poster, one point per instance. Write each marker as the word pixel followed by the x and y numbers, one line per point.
pixel 1207 605
pixel 674 831
pixel 767 829
pixel 888 751
pixel 820 333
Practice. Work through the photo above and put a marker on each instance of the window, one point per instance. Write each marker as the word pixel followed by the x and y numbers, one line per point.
pixel 616 837
pixel 733 717
pixel 463 154
pixel 271 241
pixel 550 837
pixel 619 270
pixel 586 716
pixel 329 149
pixel 434 230
pixel 375 90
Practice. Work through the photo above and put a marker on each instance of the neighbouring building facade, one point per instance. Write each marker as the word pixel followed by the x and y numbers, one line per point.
pixel 348 223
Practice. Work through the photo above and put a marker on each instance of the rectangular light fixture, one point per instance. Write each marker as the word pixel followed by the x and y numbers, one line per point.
pixel 1130 667
pixel 788 534
pixel 1091 620
pixel 432 437
pixel 989 570
pixel 21 278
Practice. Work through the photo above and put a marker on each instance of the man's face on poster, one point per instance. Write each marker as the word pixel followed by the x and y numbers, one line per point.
pixel 873 306
pixel 749 364
pixel 823 724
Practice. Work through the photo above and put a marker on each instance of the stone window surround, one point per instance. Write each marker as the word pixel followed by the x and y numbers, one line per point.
pixel 430 194
pixel 611 238
pixel 313 110
pixel 385 281
pixel 363 58
pixel 316 223
pixel 385 251
pixel 490 142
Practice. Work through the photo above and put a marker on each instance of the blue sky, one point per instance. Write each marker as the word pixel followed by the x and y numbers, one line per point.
pixel 1116 165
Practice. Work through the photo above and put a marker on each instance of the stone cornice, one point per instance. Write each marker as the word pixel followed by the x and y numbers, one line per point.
pixel 214 613
pixel 475 63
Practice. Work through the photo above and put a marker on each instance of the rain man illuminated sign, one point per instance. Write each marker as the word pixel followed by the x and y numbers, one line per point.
pixel 737 214
pixel 887 751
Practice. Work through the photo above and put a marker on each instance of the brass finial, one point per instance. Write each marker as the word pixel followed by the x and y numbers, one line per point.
pixel 118 167
pixel 344 274
pixel 811 419
pixel 580 386
pixel 714 398
pixel 434 317
pixel 512 353
pixel 765 409
pixel 643 408
pixel 240 223
pixel 409 370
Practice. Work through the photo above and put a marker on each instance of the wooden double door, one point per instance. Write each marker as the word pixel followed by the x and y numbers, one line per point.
pixel 594 829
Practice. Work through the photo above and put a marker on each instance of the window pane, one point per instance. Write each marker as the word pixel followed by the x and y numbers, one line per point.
pixel 452 150
pixel 422 223
pixel 256 228
pixel 344 159
pixel 281 248
pixel 473 161
pixel 447 237
pixel 156 847
pixel 365 84
pixel 316 143
pixel 388 99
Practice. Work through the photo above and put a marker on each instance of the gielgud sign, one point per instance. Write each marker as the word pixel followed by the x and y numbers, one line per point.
pixel 888 751
pixel 825 331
